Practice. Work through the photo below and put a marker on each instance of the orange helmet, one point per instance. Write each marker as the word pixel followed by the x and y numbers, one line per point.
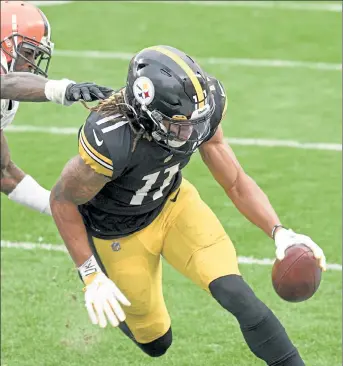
pixel 25 26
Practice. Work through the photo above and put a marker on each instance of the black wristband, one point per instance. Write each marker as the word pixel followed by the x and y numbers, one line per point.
pixel 276 227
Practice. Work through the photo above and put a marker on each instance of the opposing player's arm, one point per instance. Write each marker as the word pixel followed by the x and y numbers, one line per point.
pixel 77 184
pixel 247 196
pixel 23 87
pixel 27 87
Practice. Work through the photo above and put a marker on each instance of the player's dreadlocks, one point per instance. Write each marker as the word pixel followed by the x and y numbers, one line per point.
pixel 115 104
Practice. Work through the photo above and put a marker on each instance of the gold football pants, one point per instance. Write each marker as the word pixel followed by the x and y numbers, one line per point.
pixel 189 236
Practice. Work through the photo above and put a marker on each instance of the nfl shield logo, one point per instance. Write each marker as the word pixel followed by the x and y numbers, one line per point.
pixel 115 246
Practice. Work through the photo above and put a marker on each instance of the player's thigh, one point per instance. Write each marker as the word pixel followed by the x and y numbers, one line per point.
pixel 138 274
pixel 196 243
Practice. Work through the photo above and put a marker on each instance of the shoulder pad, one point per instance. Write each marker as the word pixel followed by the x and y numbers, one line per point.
pixel 93 150
pixel 104 144
pixel 220 99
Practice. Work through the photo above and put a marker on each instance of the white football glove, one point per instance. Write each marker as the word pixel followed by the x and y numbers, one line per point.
pixel 102 298
pixel 285 238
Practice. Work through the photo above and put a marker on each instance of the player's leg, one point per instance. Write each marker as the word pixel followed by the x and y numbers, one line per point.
pixel 20 187
pixel 137 271
pixel 196 245
pixel 155 348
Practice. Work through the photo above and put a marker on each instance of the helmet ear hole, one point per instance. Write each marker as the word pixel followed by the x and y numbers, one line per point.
pixel 141 66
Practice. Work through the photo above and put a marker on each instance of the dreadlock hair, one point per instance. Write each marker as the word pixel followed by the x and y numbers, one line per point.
pixel 116 104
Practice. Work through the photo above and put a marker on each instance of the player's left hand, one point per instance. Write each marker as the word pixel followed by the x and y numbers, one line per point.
pixel 285 238
pixel 102 300
pixel 87 91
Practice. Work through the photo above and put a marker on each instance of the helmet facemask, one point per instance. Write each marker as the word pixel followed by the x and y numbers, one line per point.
pixel 42 52
pixel 178 133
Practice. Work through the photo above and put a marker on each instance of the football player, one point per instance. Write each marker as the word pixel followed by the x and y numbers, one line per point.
pixel 122 203
pixel 26 47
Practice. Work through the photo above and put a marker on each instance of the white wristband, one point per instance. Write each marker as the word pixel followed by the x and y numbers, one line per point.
pixel 29 193
pixel 89 267
pixel 55 91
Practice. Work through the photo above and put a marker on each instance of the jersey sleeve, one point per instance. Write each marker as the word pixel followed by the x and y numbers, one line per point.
pixel 220 99
pixel 105 144
pixel 93 150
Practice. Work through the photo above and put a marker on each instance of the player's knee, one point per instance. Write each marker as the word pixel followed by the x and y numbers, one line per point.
pixel 233 293
pixel 158 347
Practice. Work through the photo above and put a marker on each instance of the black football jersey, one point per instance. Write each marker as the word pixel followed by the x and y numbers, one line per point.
pixel 141 178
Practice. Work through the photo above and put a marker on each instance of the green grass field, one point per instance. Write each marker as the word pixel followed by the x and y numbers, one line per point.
pixel 43 320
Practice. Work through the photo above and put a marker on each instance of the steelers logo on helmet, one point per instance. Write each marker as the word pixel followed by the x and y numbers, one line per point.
pixel 144 90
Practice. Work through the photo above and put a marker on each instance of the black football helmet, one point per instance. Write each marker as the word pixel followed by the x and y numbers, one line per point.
pixel 170 95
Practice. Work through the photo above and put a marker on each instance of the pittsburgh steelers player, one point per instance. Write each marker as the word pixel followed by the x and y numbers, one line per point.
pixel 122 203
pixel 26 47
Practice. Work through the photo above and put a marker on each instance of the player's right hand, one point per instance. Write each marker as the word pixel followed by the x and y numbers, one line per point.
pixel 102 298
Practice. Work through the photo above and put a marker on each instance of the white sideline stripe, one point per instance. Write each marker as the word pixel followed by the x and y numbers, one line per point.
pixel 62 248
pixel 283 5
pixel 209 60
pixel 231 140
pixel 52 130
pixel 284 143
pixel 33 246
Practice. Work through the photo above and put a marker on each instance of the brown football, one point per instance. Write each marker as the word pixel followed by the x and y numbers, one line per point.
pixel 297 277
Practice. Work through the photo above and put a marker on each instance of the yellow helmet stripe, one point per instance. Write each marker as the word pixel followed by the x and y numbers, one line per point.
pixel 186 69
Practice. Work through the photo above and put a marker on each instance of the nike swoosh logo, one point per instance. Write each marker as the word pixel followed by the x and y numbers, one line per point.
pixel 98 142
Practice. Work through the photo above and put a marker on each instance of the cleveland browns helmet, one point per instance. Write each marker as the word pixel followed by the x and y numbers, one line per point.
pixel 170 95
pixel 23 27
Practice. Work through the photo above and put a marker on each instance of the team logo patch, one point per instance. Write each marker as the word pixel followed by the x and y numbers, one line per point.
pixel 115 246
pixel 144 90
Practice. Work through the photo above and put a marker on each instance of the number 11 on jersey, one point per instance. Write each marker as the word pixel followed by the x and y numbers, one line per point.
pixel 150 179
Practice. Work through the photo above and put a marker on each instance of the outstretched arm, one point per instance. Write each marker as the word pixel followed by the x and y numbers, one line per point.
pixel 249 198
pixel 27 87
pixel 23 87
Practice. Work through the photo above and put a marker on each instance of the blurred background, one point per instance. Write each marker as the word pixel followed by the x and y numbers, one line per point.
pixel 280 63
